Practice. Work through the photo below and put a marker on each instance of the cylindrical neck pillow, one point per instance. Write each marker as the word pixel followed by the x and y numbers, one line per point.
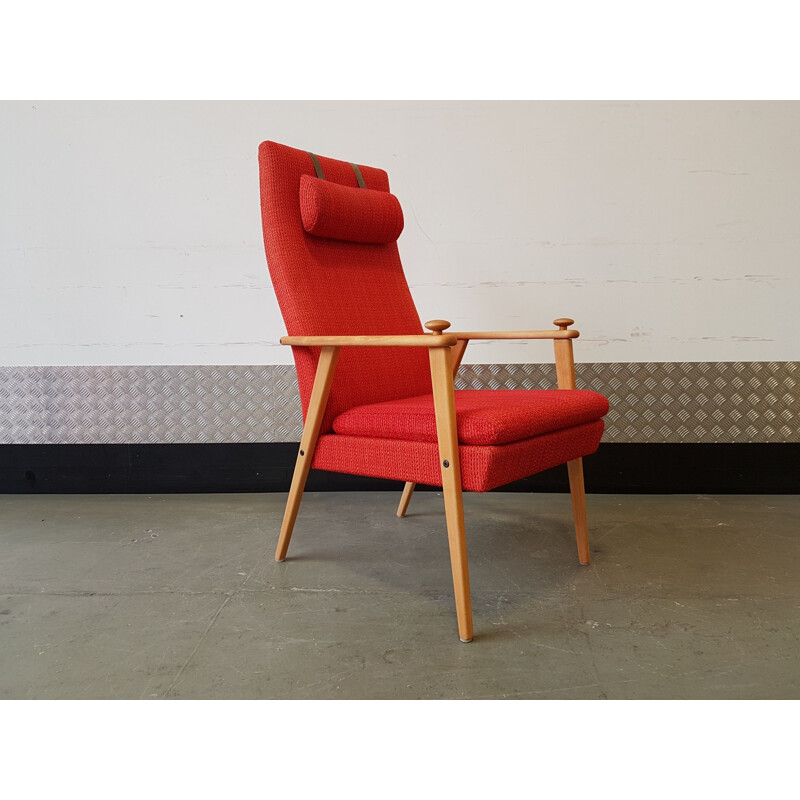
pixel 333 211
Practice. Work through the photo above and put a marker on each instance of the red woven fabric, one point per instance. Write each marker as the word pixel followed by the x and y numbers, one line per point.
pixel 333 211
pixel 325 286
pixel 483 416
pixel 482 467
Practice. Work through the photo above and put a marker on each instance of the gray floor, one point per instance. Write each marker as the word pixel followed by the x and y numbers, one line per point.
pixel 178 596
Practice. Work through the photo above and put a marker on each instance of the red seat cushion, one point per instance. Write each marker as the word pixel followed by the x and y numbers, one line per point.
pixel 484 417
pixel 483 467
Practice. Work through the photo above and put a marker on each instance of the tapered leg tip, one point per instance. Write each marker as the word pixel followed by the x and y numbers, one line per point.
pixel 466 641
pixel 280 560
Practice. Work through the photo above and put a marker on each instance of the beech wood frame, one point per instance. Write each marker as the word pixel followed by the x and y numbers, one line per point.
pixel 445 352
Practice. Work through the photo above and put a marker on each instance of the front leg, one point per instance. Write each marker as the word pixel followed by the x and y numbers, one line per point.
pixel 316 409
pixel 450 465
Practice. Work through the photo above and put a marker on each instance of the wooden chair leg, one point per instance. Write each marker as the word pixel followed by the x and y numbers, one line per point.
pixel 575 469
pixel 565 373
pixel 444 406
pixel 408 489
pixel 316 409
pixel 405 499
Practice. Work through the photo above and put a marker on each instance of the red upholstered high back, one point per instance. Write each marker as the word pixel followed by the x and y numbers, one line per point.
pixel 332 287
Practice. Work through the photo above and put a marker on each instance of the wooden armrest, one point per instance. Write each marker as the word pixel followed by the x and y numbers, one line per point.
pixel 409 340
pixel 516 334
pixel 561 333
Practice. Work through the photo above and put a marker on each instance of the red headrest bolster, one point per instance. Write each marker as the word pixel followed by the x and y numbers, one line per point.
pixel 333 211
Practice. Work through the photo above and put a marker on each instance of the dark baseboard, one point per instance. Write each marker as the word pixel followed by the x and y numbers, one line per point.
pixel 267 467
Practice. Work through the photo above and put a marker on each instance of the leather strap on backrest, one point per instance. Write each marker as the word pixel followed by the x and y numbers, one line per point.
pixel 359 176
pixel 317 166
pixel 321 174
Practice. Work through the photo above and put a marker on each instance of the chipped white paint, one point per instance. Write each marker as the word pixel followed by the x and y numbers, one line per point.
pixel 130 232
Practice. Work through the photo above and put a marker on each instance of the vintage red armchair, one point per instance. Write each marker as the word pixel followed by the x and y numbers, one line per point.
pixel 377 392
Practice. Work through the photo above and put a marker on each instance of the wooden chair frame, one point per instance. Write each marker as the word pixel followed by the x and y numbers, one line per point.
pixel 445 351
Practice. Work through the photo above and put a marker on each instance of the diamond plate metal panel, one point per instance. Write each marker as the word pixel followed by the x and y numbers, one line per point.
pixel 673 402
pixel 650 402
pixel 43 405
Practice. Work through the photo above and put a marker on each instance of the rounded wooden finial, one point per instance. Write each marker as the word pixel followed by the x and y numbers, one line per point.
pixel 563 322
pixel 437 325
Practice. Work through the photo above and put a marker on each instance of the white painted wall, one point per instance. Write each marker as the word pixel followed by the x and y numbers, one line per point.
pixel 130 231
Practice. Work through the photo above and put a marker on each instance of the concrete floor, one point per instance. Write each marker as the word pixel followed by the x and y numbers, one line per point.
pixel 178 596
